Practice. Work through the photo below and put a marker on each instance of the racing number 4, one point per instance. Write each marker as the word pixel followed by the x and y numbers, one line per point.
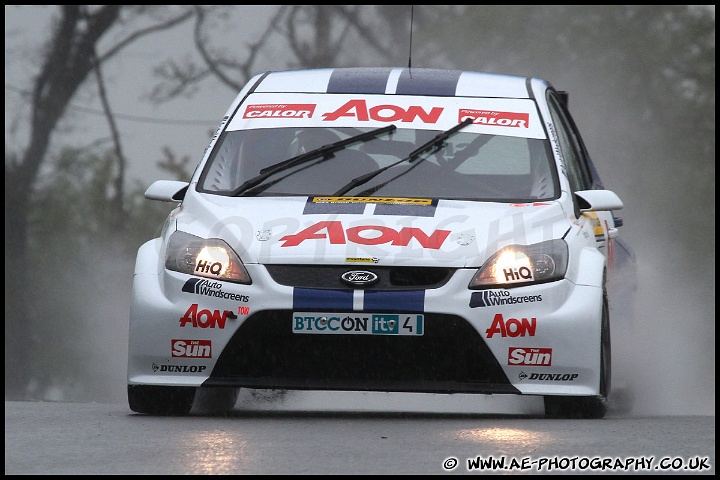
pixel 408 326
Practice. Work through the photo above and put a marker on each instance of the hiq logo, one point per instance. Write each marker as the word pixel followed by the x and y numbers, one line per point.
pixel 517 274
pixel 204 266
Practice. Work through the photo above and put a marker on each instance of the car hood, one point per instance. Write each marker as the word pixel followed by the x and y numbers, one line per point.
pixel 342 230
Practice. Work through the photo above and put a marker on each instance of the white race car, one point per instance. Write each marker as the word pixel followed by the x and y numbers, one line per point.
pixel 381 229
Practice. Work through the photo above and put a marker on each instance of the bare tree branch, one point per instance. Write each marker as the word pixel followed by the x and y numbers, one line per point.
pixel 118 214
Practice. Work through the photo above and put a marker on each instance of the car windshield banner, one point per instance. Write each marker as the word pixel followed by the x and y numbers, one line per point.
pixel 497 116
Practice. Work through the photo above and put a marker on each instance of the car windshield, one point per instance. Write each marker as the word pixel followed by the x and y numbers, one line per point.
pixel 468 166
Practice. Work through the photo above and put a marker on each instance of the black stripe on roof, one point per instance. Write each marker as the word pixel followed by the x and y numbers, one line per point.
pixel 358 80
pixel 428 81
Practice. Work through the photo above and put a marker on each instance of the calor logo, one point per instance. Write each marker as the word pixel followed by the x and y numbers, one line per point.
pixel 491 117
pixel 281 110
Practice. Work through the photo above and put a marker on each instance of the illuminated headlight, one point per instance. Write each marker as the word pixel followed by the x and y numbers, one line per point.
pixel 212 258
pixel 523 264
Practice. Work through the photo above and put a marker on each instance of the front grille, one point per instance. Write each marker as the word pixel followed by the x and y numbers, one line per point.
pixel 390 278
pixel 450 357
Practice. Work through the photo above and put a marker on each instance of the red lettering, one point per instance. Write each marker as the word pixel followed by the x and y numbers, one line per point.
pixel 204 318
pixel 512 328
pixel 386 235
pixel 433 241
pixel 427 117
pixel 334 231
pixel 357 106
pixel 190 315
pixel 383 113
pixel 333 228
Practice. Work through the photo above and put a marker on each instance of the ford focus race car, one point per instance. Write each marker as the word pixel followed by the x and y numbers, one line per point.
pixel 381 229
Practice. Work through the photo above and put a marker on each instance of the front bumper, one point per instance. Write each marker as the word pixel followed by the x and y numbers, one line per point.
pixel 538 340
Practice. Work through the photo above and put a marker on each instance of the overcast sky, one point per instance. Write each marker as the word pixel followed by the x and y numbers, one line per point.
pixel 185 125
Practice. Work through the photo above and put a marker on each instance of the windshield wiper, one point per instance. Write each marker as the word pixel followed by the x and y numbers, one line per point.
pixel 436 142
pixel 325 151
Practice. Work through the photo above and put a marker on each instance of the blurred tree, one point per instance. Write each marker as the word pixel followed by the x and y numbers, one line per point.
pixel 310 36
pixel 71 55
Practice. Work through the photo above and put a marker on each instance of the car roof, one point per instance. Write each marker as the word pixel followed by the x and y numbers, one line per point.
pixel 398 81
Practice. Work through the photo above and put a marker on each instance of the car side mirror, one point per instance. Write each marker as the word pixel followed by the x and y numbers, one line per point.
pixel 167 190
pixel 594 200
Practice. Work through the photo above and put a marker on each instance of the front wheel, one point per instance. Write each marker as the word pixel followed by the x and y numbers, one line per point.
pixel 167 401
pixel 575 407
pixel 590 406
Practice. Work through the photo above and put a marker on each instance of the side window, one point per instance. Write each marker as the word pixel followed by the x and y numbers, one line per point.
pixel 576 164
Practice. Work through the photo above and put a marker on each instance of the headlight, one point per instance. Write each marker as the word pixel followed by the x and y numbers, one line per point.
pixel 516 265
pixel 212 258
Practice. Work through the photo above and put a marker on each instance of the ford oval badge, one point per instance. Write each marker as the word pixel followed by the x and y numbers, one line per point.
pixel 359 278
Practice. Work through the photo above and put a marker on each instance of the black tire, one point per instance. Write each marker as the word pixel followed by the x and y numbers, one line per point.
pixel 215 401
pixel 166 401
pixel 575 407
pixel 591 406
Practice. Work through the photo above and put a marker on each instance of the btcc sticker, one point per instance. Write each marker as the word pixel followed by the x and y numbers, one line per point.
pixel 512 327
pixel 535 357
pixel 358 323
pixel 191 348
pixel 492 298
pixel 209 288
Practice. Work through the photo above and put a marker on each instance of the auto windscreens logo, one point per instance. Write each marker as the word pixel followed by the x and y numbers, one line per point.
pixel 211 288
pixel 494 298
